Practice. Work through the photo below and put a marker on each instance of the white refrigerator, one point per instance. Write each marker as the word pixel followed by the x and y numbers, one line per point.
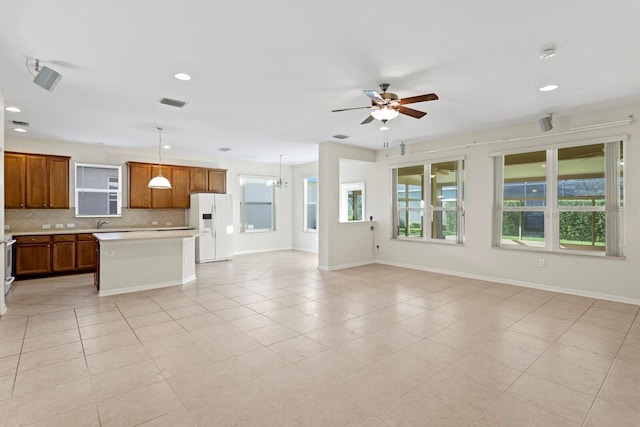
pixel 212 216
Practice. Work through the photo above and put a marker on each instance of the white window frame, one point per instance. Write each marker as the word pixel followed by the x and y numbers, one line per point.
pixel 426 209
pixel 243 203
pixel 614 241
pixel 307 204
pixel 108 190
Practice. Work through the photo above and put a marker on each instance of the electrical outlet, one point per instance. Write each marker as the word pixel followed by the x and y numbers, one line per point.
pixel 169 223
pixel 541 262
pixel 71 225
pixel 59 225
pixel 154 222
pixel 45 226
pixel 109 253
pixel 7 226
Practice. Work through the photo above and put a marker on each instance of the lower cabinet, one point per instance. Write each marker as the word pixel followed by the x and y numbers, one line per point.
pixel 54 254
pixel 33 255
pixel 63 253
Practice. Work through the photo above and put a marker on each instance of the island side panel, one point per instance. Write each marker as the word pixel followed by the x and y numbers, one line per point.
pixel 142 264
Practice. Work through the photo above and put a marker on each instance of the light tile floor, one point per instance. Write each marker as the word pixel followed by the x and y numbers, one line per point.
pixel 269 340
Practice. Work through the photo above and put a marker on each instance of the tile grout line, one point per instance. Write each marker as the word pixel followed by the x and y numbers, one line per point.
pixel 615 358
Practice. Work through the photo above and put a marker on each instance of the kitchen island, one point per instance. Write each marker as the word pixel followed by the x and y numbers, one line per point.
pixel 141 260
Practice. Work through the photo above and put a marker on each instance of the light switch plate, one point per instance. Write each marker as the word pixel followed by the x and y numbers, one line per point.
pixel 7 226
pixel 59 225
pixel 70 225
pixel 45 226
pixel 154 222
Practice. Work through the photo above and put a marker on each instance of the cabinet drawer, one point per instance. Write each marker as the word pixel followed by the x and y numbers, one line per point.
pixel 85 236
pixel 32 239
pixel 64 237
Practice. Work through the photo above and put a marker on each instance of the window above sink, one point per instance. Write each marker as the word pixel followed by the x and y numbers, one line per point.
pixel 98 190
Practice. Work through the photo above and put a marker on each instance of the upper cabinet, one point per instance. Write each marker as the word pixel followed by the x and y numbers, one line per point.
pixel 14 181
pixel 184 180
pixel 36 181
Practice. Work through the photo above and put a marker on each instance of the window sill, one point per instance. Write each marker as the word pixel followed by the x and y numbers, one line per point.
pixel 420 240
pixel 585 253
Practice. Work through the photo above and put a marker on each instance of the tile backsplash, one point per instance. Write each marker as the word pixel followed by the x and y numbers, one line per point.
pixel 25 220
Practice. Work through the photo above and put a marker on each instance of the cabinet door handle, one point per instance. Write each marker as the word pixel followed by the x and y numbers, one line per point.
pixel 21 204
pixel 33 240
pixel 45 205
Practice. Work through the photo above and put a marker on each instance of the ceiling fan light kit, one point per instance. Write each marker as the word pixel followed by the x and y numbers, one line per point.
pixel 387 106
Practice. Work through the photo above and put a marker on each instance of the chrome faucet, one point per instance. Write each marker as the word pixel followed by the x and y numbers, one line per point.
pixel 102 222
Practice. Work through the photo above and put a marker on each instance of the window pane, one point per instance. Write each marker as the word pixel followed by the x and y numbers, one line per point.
pixel 582 230
pixel 310 200
pixel 257 216
pixel 444 225
pixel 414 221
pixel 354 205
pixel 581 176
pixel 523 228
pixel 525 179
pixel 443 182
pixel 257 203
pixel 410 181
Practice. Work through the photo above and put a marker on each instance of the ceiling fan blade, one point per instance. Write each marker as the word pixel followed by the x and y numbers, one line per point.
pixel 419 98
pixel 347 109
pixel 375 96
pixel 369 119
pixel 411 112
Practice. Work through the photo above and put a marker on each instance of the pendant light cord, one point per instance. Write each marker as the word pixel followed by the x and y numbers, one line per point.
pixel 159 151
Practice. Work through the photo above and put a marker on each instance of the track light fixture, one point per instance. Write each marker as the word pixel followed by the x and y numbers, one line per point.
pixel 545 123
pixel 46 78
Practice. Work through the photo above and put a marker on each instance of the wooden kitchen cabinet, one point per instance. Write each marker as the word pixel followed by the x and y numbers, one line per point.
pixel 85 252
pixel 161 199
pixel 63 253
pixel 36 181
pixel 139 193
pixel 33 255
pixel 14 180
pixel 58 182
pixel 198 180
pixel 217 179
pixel 180 183
pixel 54 254
pixel 184 180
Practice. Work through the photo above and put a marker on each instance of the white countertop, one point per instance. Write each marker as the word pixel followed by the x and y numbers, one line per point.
pixel 144 235
pixel 92 230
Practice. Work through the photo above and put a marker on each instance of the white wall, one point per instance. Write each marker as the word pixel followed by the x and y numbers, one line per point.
pixel 306 241
pixel 346 244
pixel 101 154
pixel 580 274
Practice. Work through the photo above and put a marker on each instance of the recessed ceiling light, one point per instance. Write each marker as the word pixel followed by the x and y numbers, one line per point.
pixel 166 147
pixel 340 136
pixel 20 130
pixel 548 53
pixel 13 109
pixel 548 88
pixel 182 76
pixel 224 149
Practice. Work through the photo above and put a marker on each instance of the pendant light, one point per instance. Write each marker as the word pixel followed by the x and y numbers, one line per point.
pixel 159 182
pixel 280 183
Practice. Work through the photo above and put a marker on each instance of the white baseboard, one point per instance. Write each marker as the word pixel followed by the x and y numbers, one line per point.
pixel 524 284
pixel 262 250
pixel 341 266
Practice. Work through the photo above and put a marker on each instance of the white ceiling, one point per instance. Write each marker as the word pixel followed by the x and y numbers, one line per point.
pixel 266 74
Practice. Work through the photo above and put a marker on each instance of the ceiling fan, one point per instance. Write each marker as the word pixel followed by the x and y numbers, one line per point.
pixel 386 105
